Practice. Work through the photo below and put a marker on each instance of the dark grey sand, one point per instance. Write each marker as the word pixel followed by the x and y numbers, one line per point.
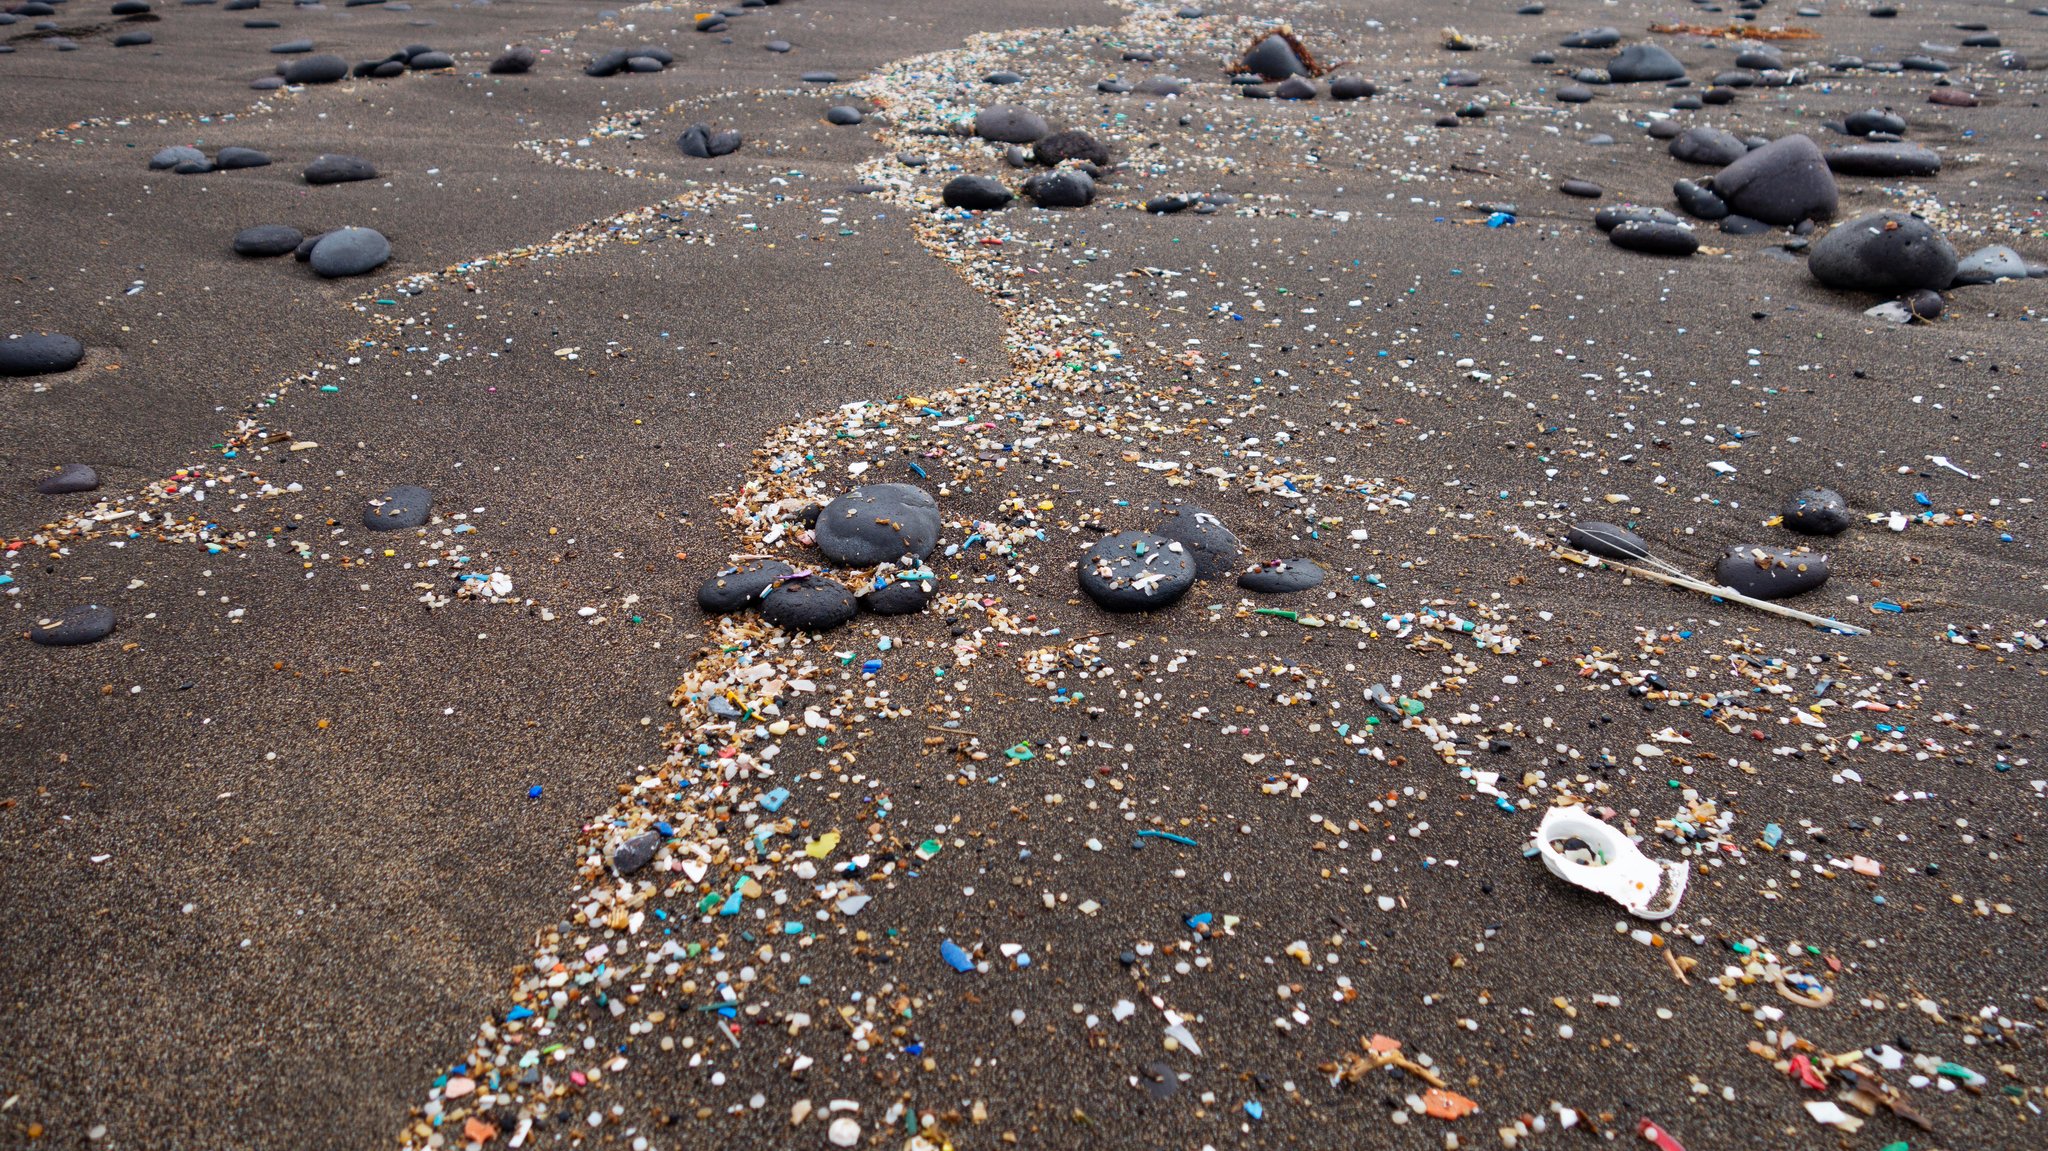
pixel 268 853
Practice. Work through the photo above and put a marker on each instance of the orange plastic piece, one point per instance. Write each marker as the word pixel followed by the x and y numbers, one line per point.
pixel 1440 1104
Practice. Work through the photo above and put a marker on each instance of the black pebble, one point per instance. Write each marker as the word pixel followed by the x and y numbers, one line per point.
pixel 69 479
pixel 1763 572
pixel 739 587
pixel 39 354
pixel 1109 569
pixel 404 506
pixel 811 604
pixel 82 624
pixel 878 523
pixel 1655 239
pixel 1608 541
pixel 514 61
pixel 1214 548
pixel 267 240
pixel 1279 577
pixel 1817 512
pixel 336 169
pixel 975 193
pixel 902 596
pixel 232 159
pixel 635 853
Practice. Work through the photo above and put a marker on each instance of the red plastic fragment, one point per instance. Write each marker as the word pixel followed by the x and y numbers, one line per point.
pixel 1655 1134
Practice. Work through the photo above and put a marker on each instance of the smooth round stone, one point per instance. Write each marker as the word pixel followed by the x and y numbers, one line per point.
pixel 1351 88
pixel 70 478
pixel 304 251
pixel 267 83
pixel 1783 182
pixel 1279 577
pixel 39 354
pixel 1543 58
pixel 1701 144
pixel 1759 60
pixel 1655 239
pixel 739 587
pixel 193 167
pixel 1688 104
pixel 138 7
pixel 635 853
pixel 1591 38
pixel 1594 76
pixel 402 507
pixel 267 240
pixel 1988 265
pixel 1923 64
pixel 1952 97
pixel 1883 252
pixel 1273 58
pixel 1664 129
pixel 814 603
pixel 820 77
pixel 1136 571
pixel 1214 548
pixel 641 65
pixel 1743 226
pixel 514 61
pixel 844 115
pixel 1817 512
pixel 1160 86
pixel 1599 140
pixel 1575 94
pixel 901 596
pixel 1072 144
pixel 349 252
pixel 1005 124
pixel 1760 571
pixel 175 155
pixel 1884 160
pixel 322 69
pixel 778 46
pixel 1295 88
pixel 1066 188
pixel 1461 78
pixel 1112 87
pixel 232 159
pixel 1607 541
pixel 1925 304
pixel 975 193
pixel 1735 80
pixel 1474 111
pixel 430 61
pixel 133 39
pixel 878 523
pixel 336 169
pixel 607 64
pixel 85 623
pixel 292 48
pixel 1168 205
pixel 1255 92
pixel 1699 200
pixel 1874 120
pixel 1585 189
pixel 1002 78
pixel 1643 63
pixel 705 143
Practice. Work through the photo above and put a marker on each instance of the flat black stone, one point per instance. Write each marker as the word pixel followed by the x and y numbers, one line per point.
pixel 739 587
pixel 1607 541
pixel 811 604
pixel 1351 88
pixel 39 354
pixel 1655 239
pixel 633 854
pixel 336 169
pixel 1613 215
pixel 175 155
pixel 1002 78
pixel 819 77
pixel 1591 38
pixel 1136 571
pixel 73 626
pixel 1643 63
pixel 1874 120
pixel 1072 144
pixel 1699 201
pixel 430 61
pixel 1884 160
pixel 1883 252
pixel 292 47
pixel 844 115
pixel 1585 189
pixel 1701 144
pixel 1743 226
pixel 1005 124
pixel 777 46
pixel 878 523
pixel 402 507
pixel 1764 572
pixel 1988 265
pixel 349 252
pixel 1279 577
pixel 267 240
pixel 1461 78
pixel 133 39
pixel 70 479
pixel 975 193
pixel 901 596
pixel 322 69
pixel 232 159
pixel 1575 94
pixel 1160 86
pixel 1112 87
pixel 1295 88
pixel 138 7
pixel 1214 548
pixel 1817 512
pixel 642 65
pixel 1168 205
pixel 1065 188
pixel 514 61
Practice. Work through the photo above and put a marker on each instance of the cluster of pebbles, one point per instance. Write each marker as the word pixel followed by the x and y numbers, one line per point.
pixel 884 531
pixel 1758 570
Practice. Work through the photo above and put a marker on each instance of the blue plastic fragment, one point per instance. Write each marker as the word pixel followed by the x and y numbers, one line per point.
pixel 1255 1109
pixel 518 1013
pixel 774 800
pixel 1200 919
pixel 956 956
pixel 1773 834
pixel 1921 499
pixel 533 792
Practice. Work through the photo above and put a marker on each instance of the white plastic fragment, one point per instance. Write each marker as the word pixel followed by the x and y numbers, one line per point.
pixel 1648 889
